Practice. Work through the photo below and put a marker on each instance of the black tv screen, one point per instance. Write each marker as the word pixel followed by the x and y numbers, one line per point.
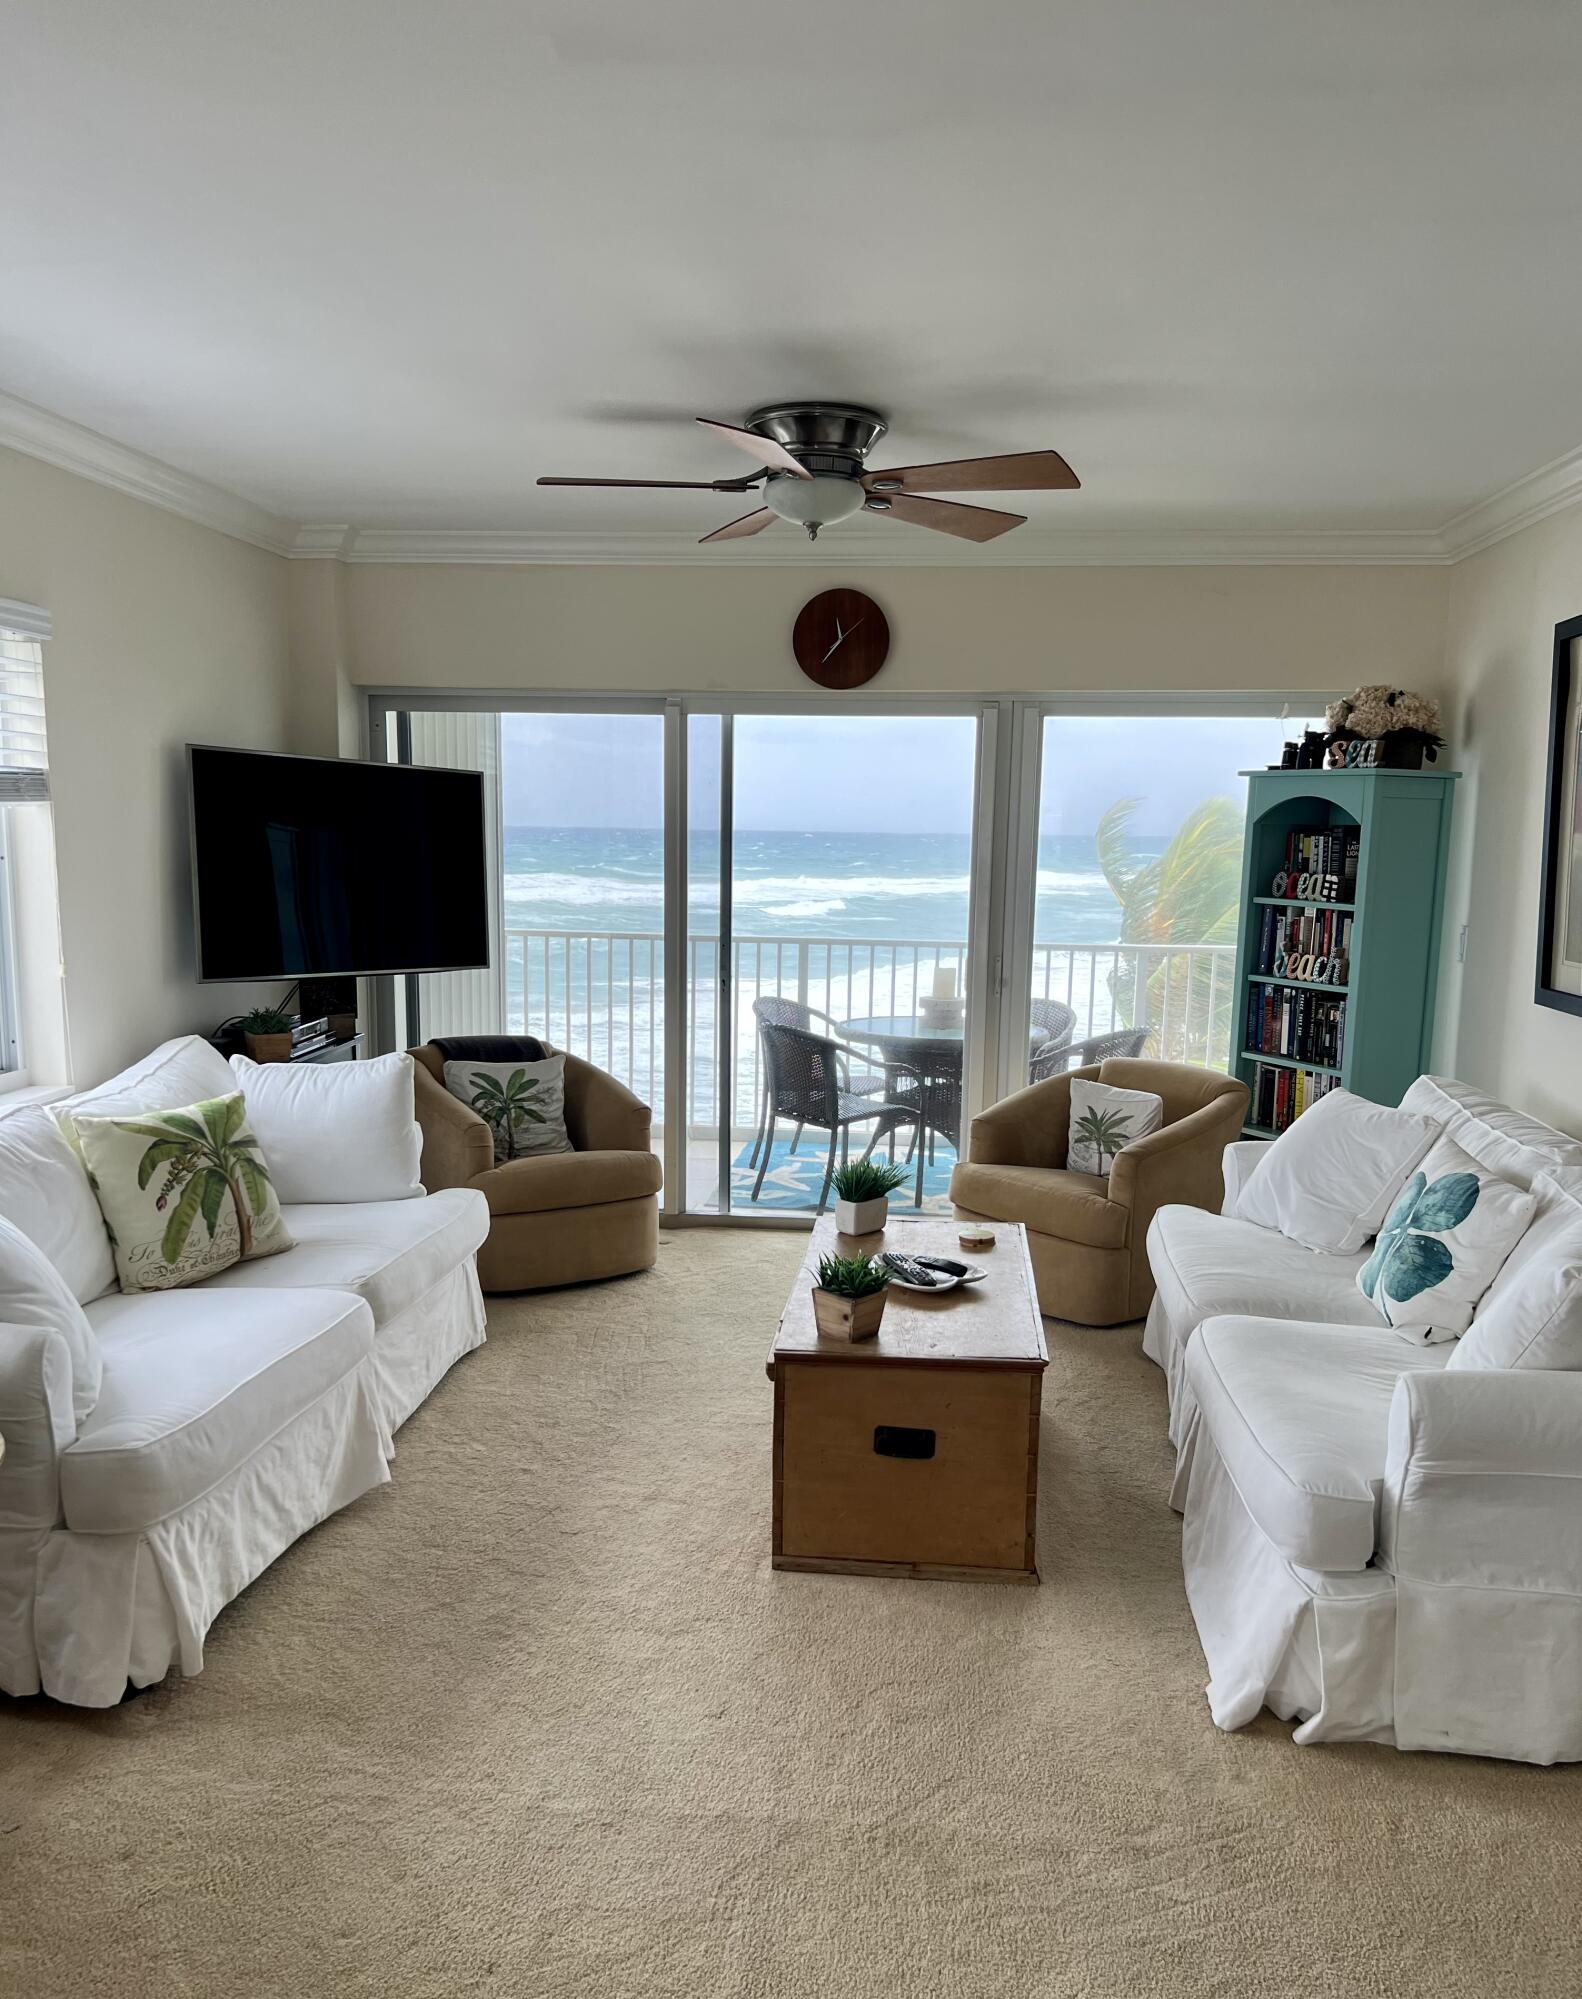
pixel 317 866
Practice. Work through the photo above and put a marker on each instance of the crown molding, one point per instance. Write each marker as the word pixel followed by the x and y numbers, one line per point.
pixel 74 448
pixel 24 621
pixel 1523 503
pixel 322 542
pixel 39 433
pixel 869 546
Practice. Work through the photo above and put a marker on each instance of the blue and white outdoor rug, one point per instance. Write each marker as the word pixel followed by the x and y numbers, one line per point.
pixel 793 1180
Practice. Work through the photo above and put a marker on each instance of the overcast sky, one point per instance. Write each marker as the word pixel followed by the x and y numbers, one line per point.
pixel 913 774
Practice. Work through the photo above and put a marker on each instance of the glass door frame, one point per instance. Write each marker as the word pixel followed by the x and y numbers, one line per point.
pixel 1024 722
pixel 394 1007
pixel 983 898
pixel 1003 871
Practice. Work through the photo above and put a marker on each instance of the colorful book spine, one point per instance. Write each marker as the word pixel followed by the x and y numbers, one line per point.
pixel 1279 1096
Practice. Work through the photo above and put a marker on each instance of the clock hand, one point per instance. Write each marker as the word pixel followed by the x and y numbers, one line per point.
pixel 840 639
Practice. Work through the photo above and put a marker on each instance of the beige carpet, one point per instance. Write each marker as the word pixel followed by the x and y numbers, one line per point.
pixel 539 1718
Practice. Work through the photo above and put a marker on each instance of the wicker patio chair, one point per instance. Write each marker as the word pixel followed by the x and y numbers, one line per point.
pixel 1054 1059
pixel 808 1077
pixel 775 1010
pixel 1054 1020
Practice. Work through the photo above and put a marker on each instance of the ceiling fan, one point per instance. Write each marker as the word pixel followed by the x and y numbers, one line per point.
pixel 814 460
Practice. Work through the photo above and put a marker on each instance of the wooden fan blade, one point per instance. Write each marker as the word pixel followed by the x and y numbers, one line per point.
pixel 741 485
pixel 764 449
pixel 753 523
pixel 949 516
pixel 1015 472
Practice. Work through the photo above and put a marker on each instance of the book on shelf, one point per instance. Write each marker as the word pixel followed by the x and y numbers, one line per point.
pixel 1279 1096
pixel 1329 853
pixel 1302 1026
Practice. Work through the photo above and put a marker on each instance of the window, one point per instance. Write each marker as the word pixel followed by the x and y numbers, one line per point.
pixel 24 790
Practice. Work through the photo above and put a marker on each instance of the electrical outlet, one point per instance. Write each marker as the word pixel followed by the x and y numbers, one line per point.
pixel 1461 948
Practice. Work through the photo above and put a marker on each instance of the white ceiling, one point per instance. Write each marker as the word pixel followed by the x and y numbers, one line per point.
pixel 1251 265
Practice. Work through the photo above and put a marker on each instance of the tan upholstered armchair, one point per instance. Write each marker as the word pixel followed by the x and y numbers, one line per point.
pixel 561 1219
pixel 1086 1233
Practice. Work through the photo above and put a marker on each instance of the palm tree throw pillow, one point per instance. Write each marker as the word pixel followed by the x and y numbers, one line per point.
pixel 1442 1244
pixel 1104 1120
pixel 522 1103
pixel 184 1193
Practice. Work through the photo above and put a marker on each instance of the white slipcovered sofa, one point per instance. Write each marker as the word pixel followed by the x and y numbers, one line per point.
pixel 231 1416
pixel 1376 1540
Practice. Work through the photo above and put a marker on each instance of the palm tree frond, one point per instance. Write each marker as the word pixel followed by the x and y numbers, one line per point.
pixel 215 1191
pixel 182 1218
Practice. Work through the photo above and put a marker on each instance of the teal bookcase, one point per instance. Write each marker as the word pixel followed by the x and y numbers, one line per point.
pixel 1385 1020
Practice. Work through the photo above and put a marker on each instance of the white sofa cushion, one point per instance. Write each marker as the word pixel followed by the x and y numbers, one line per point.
pixel 1300 1416
pixel 194 1383
pixel 1207 1264
pixel 1536 1323
pixel 34 1294
pixel 183 1071
pixel 45 1193
pixel 1506 1141
pixel 388 1252
pixel 1329 1180
pixel 1443 1242
pixel 43 1184
pixel 335 1131
pixel 1553 1236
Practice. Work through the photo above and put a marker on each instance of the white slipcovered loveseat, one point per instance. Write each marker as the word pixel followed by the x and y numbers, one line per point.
pixel 1377 1539
pixel 230 1416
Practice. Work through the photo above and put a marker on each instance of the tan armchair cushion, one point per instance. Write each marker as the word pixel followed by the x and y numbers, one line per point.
pixel 1074 1206
pixel 568 1180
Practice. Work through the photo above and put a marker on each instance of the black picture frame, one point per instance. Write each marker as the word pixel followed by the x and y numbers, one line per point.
pixel 1562 755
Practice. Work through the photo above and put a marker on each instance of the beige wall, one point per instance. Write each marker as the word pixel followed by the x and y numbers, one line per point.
pixel 1503 608
pixel 1003 630
pixel 167 632
pixel 164 633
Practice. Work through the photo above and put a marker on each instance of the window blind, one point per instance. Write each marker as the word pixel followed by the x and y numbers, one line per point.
pixel 24 754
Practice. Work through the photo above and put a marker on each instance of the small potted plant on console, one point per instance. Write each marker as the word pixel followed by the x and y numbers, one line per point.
pixel 848 1299
pixel 862 1195
pixel 267 1032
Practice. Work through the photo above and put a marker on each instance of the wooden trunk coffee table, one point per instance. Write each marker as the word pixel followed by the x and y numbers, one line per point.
pixel 915 1453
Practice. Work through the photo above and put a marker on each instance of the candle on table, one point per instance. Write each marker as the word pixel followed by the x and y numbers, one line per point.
pixel 944 982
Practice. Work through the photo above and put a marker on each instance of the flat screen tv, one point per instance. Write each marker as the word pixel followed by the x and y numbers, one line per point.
pixel 320 867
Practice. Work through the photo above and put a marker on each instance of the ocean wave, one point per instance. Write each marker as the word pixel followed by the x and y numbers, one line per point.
pixel 829 908
pixel 782 895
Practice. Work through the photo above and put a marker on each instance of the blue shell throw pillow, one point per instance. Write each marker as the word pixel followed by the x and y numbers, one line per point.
pixel 1442 1244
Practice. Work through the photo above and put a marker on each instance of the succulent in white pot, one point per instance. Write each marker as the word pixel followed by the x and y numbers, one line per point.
pixel 862 1195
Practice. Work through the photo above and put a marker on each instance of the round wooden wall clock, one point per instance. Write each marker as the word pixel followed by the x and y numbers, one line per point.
pixel 841 638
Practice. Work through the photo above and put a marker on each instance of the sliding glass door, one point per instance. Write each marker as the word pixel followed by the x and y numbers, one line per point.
pixel 846 887
pixel 574 823
pixel 1129 918
pixel 809 934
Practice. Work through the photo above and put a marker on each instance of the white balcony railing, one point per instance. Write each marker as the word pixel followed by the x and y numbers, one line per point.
pixel 600 994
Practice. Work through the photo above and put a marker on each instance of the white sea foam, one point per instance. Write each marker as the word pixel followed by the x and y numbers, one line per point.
pixel 830 908
pixel 765 892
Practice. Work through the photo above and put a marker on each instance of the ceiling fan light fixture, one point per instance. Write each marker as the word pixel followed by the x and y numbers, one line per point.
pixel 814 503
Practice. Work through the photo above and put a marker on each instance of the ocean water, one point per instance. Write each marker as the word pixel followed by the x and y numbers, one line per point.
pixel 855 924
pixel 879 886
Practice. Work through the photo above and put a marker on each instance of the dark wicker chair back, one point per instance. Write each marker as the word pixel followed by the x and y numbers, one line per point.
pixel 801 1070
pixel 774 1010
pixel 1055 1060
pixel 1055 1019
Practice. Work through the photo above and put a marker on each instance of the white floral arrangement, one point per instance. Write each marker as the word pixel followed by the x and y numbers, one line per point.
pixel 1382 725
